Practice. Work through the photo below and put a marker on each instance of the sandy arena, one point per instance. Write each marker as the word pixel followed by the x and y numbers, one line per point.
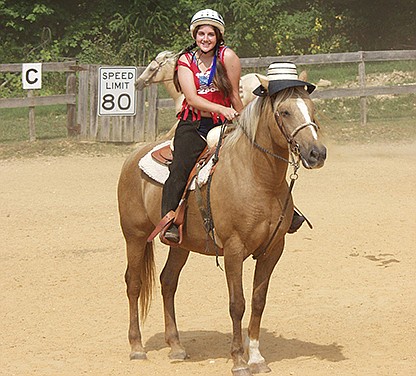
pixel 342 300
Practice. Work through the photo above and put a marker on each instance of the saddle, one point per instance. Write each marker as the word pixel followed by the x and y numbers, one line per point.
pixel 164 156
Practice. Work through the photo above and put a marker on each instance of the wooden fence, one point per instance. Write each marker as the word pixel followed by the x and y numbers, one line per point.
pixel 143 126
pixel 31 101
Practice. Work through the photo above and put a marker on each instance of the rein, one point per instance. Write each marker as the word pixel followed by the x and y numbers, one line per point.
pixel 159 67
pixel 295 156
pixel 294 162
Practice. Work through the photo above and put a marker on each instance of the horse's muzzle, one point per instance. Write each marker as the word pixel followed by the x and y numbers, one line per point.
pixel 314 157
pixel 140 84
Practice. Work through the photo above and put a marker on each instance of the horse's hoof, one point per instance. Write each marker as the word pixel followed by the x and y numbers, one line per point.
pixel 135 355
pixel 260 368
pixel 178 355
pixel 241 371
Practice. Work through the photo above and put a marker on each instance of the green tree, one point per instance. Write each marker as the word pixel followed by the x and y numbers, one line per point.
pixel 133 31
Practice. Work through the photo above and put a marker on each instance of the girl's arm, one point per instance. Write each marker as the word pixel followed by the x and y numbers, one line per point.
pixel 233 66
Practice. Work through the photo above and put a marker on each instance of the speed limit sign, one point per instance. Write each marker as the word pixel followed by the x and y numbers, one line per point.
pixel 117 95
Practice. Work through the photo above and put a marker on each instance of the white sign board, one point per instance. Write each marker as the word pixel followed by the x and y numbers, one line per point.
pixel 32 76
pixel 116 91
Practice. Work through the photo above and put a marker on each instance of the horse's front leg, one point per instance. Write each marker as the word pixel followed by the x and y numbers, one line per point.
pixel 169 281
pixel 264 268
pixel 234 270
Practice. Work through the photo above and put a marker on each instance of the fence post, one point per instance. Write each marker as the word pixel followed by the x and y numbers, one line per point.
pixel 83 102
pixel 32 130
pixel 71 109
pixel 362 83
pixel 93 87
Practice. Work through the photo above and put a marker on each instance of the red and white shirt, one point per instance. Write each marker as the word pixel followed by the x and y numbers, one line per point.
pixel 203 89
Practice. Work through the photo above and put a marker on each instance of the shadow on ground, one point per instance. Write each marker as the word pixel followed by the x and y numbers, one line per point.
pixel 203 344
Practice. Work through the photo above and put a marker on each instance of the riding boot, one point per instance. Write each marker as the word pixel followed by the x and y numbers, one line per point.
pixel 297 221
pixel 172 233
pixel 188 145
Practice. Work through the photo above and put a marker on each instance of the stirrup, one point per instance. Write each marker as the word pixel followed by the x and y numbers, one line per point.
pixel 172 234
pixel 297 222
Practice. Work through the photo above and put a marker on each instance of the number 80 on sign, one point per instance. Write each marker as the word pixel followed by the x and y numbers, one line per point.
pixel 117 94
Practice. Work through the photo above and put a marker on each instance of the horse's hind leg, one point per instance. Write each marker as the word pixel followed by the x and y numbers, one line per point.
pixel 169 281
pixel 139 276
pixel 264 268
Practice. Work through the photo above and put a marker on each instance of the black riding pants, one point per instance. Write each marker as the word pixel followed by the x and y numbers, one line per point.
pixel 188 145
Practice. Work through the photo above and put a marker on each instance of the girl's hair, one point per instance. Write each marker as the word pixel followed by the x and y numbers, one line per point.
pixel 221 80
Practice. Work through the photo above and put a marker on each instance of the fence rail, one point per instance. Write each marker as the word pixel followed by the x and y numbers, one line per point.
pixel 67 66
pixel 333 58
pixel 38 101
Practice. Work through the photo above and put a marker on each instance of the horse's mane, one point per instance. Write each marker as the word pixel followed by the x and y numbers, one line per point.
pixel 248 121
pixel 166 57
pixel 260 109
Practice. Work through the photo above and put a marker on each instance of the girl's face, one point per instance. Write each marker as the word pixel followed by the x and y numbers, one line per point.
pixel 206 38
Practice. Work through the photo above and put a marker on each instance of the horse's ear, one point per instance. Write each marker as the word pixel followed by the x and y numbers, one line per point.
pixel 303 76
pixel 263 80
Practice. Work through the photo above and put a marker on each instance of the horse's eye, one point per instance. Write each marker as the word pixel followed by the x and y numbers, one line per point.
pixel 285 113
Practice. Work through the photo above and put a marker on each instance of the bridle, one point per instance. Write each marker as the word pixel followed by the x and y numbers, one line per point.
pixel 160 64
pixel 294 162
pixel 290 137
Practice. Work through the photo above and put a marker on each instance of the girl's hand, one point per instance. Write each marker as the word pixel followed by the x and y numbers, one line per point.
pixel 229 113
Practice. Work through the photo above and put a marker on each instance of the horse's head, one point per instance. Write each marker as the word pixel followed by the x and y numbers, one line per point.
pixel 294 118
pixel 156 70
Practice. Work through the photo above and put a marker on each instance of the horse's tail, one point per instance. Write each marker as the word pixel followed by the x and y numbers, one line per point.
pixel 147 276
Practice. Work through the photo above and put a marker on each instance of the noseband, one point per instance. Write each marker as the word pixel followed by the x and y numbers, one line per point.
pixel 156 71
pixel 290 137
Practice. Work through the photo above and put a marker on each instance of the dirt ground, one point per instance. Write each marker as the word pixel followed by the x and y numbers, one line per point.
pixel 341 301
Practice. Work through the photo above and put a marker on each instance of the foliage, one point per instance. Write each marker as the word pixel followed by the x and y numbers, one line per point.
pixel 132 32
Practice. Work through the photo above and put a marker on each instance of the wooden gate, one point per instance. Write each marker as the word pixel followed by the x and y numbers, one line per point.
pixel 137 128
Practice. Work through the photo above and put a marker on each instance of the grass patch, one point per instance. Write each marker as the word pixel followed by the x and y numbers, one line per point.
pixel 341 75
pixel 378 108
pixel 50 123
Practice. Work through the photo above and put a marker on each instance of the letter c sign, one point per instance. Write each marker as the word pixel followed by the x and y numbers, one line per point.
pixel 32 76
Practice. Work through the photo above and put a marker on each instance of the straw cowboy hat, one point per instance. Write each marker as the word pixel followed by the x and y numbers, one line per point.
pixel 280 76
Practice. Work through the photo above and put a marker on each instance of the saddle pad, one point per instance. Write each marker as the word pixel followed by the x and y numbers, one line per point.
pixel 160 172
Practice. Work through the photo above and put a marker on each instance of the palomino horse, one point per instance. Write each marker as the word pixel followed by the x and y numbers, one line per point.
pixel 247 194
pixel 161 70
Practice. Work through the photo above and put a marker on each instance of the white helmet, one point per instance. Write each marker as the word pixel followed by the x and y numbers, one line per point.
pixel 207 17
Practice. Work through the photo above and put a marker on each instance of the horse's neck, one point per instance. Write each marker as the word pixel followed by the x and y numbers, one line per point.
pixel 171 89
pixel 262 166
pixel 174 94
